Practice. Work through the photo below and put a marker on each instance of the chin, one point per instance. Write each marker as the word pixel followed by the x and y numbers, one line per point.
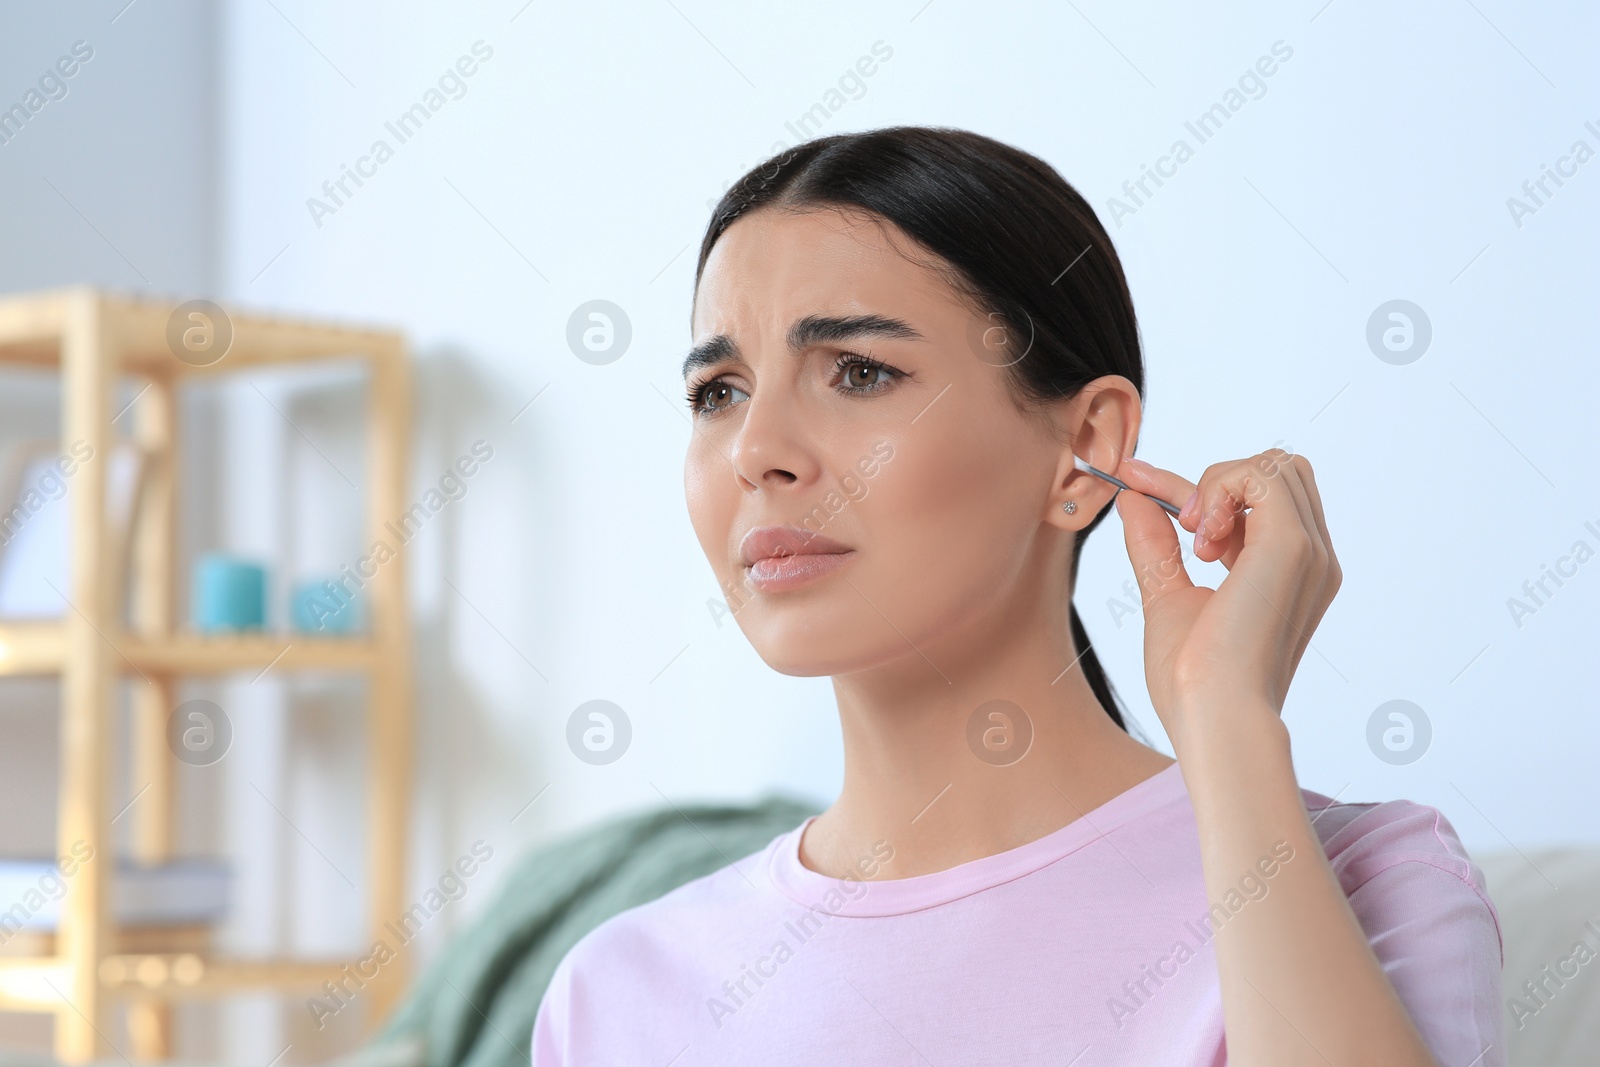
pixel 810 641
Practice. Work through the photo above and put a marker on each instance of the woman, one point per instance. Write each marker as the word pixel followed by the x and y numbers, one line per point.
pixel 902 340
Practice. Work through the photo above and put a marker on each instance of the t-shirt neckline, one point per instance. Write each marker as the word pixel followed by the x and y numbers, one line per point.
pixel 898 896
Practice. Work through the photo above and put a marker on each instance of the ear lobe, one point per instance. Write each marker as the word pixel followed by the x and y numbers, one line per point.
pixel 1088 494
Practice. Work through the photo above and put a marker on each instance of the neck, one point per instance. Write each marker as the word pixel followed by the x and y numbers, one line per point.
pixel 914 778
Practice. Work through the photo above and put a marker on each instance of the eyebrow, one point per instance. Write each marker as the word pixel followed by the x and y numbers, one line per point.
pixel 804 333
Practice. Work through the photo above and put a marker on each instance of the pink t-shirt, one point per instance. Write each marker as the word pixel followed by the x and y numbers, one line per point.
pixel 1089 946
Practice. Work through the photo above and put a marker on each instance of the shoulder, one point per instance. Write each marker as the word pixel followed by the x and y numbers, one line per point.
pixel 1362 839
pixel 666 921
pixel 1425 908
pixel 1378 849
pixel 650 963
pixel 649 953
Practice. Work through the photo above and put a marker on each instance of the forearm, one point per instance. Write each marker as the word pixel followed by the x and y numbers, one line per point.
pixel 1299 981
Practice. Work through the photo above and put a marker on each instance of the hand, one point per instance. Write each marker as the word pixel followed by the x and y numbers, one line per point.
pixel 1207 651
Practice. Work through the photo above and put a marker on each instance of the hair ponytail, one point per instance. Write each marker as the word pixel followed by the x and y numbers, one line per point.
pixel 1093 673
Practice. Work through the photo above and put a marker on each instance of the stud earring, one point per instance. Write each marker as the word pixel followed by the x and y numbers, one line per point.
pixel 1070 506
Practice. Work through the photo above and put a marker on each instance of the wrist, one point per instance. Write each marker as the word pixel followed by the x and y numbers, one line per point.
pixel 1242 731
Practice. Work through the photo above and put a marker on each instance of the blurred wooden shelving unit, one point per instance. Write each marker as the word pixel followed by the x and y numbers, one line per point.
pixel 96 340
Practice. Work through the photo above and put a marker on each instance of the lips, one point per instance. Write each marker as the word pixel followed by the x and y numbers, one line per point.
pixel 764 542
pixel 779 558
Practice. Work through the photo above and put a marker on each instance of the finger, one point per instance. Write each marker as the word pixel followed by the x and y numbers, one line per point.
pixel 1153 547
pixel 1281 475
pixel 1304 606
pixel 1293 474
pixel 1335 575
pixel 1308 477
pixel 1230 490
pixel 1287 466
pixel 1225 551
pixel 1299 479
pixel 1217 518
pixel 1156 481
pixel 1226 490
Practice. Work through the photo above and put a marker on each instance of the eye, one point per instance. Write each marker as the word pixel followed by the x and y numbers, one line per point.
pixel 860 374
pixel 707 398
pixel 857 375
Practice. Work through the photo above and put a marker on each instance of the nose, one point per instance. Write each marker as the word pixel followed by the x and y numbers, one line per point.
pixel 773 449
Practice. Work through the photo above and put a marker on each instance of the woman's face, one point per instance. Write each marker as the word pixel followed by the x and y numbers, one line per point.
pixel 936 499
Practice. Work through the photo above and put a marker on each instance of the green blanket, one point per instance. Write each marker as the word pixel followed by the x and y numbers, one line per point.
pixel 474 1006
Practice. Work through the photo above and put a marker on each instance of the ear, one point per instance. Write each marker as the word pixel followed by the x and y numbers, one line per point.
pixel 1102 423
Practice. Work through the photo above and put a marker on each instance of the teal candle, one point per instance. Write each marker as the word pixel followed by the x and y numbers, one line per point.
pixel 229 594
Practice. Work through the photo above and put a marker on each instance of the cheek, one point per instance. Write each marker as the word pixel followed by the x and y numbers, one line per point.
pixel 947 513
pixel 703 493
pixel 945 476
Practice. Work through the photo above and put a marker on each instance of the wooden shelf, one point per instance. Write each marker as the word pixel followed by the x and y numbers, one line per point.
pixel 214 655
pixel 127 940
pixel 32 648
pixel 187 975
pixel 40 648
pixel 96 341
pixel 31 328
pixel 32 984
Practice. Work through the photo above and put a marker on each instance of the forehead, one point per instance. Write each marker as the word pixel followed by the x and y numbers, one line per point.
pixel 775 265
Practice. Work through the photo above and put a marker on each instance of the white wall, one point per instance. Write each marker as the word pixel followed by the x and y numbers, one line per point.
pixel 1376 166
pixel 578 165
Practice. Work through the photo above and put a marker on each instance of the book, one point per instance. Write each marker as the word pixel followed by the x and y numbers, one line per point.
pixel 182 891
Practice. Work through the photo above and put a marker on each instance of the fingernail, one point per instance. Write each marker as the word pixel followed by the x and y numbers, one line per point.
pixel 1141 464
pixel 1188 505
